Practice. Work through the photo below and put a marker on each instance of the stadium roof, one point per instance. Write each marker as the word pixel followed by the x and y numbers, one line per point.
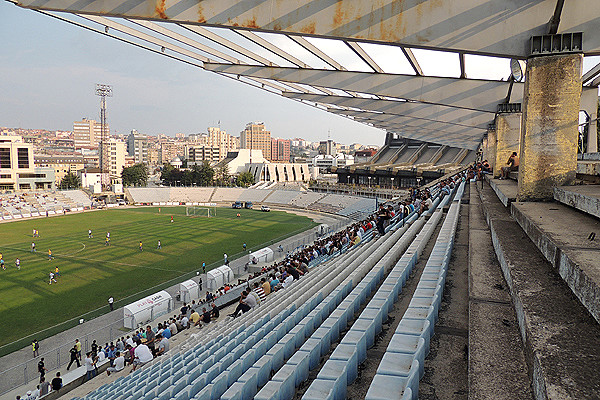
pixel 371 61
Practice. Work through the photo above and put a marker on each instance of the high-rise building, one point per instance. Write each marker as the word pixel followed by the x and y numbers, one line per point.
pixel 197 154
pixel 87 133
pixel 221 139
pixel 17 169
pixel 256 137
pixel 170 149
pixel 116 157
pixel 137 147
pixel 280 150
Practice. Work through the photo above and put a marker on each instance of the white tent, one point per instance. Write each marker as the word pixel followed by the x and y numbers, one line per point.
pixel 218 277
pixel 147 309
pixel 189 290
pixel 262 255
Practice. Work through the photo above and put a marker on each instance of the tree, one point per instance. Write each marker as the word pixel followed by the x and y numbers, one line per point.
pixel 70 181
pixel 222 175
pixel 136 175
pixel 245 179
pixel 205 174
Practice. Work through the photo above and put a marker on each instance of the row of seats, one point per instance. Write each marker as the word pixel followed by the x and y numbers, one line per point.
pixel 403 362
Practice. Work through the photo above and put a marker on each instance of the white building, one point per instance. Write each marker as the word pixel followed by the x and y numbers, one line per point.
pixel 246 160
pixel 91 178
pixel 326 161
pixel 117 150
pixel 17 168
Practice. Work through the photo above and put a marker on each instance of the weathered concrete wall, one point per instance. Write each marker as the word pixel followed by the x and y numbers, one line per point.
pixel 549 129
pixel 508 138
pixel 491 148
pixel 484 147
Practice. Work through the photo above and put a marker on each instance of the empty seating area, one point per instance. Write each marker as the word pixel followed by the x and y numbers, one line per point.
pixel 191 195
pixel 149 196
pixel 35 204
pixel 270 351
pixel 306 199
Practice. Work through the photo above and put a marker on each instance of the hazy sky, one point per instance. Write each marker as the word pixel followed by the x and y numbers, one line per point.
pixel 49 68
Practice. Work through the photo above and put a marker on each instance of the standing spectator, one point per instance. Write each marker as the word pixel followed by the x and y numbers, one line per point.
pixel 57 382
pixel 110 303
pixel 78 347
pixel 225 260
pixel 35 346
pixel 150 339
pixel 42 369
pixel 74 358
pixel 90 366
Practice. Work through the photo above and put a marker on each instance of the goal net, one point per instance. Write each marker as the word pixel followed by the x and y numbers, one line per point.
pixel 196 211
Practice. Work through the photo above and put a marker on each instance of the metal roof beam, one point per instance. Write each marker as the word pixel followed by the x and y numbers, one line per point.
pixel 317 52
pixel 227 43
pixel 591 74
pixel 412 60
pixel 362 54
pixel 474 94
pixel 408 109
pixel 271 47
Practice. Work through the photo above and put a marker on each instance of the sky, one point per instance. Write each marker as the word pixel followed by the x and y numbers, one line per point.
pixel 49 68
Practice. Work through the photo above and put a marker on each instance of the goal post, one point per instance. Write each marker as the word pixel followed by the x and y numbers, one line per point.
pixel 197 211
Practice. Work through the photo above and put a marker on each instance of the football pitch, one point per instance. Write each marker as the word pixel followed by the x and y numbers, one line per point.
pixel 91 272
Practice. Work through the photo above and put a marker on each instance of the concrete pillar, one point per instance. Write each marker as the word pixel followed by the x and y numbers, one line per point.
pixel 491 146
pixel 484 147
pixel 549 133
pixel 508 138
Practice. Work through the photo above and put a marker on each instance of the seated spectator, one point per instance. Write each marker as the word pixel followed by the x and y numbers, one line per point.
pixel 185 322
pixel 119 364
pixel 143 355
pixel 513 165
pixel 259 291
pixel 206 315
pixel 214 311
pixel 266 286
pixel 162 346
pixel 195 318
pixel 184 309
pixel 166 333
pixel 57 382
pixel 243 305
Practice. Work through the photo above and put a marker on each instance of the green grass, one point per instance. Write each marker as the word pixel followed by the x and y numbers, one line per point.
pixel 91 271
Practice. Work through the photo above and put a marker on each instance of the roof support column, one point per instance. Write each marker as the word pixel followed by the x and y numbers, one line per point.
pixel 491 146
pixel 508 134
pixel 548 154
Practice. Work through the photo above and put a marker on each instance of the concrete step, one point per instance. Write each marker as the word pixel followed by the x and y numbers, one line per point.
pixel 506 189
pixel 585 198
pixel 560 336
pixel 497 366
pixel 561 235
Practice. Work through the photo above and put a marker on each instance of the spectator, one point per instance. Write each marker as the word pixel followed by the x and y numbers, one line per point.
pixel 143 355
pixel 214 311
pixel 57 382
pixel 513 165
pixel 195 318
pixel 119 364
pixel 90 366
pixel 163 345
pixel 44 387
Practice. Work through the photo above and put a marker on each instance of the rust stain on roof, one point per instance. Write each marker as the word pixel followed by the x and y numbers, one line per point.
pixel 309 28
pixel 201 17
pixel 160 9
pixel 251 23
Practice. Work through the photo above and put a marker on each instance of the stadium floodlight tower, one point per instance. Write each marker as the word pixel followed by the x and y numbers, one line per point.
pixel 104 91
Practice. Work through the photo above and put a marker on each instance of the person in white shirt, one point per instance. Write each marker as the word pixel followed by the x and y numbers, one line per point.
pixel 90 366
pixel 288 279
pixel 250 301
pixel 255 295
pixel 143 355
pixel 163 345
pixel 129 341
pixel 119 364
pixel 173 327
pixel 185 322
